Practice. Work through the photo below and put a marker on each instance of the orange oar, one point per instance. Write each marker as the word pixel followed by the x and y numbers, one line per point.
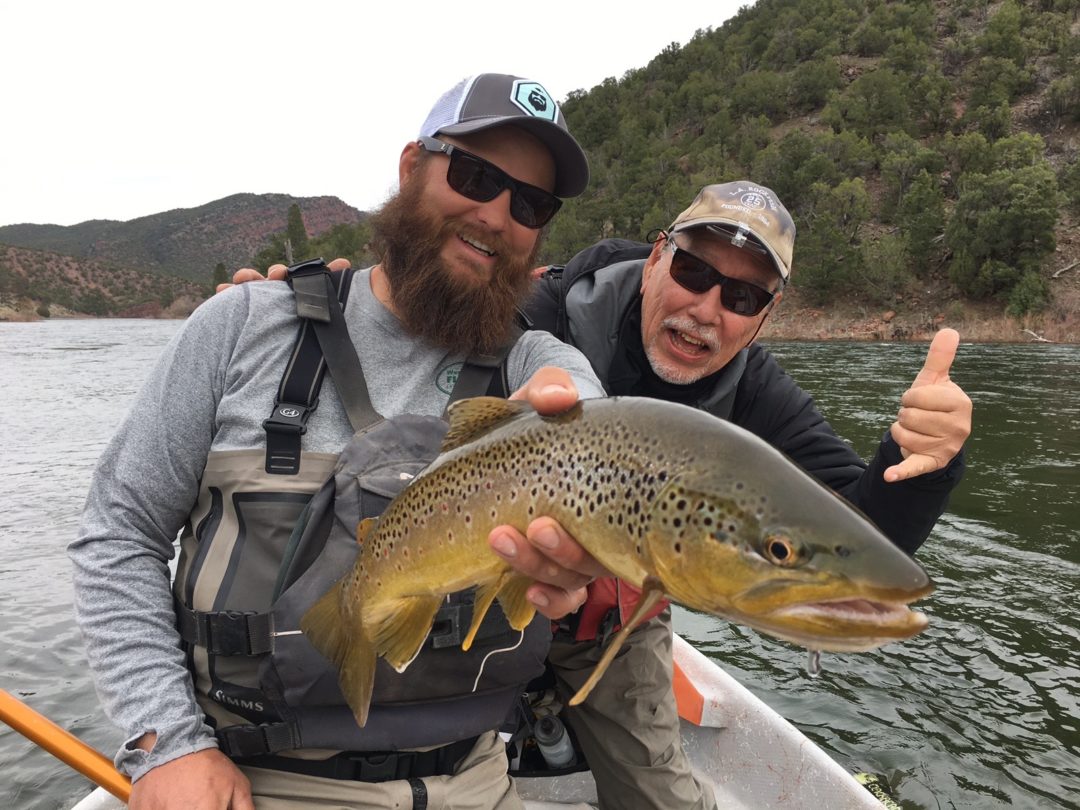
pixel 63 745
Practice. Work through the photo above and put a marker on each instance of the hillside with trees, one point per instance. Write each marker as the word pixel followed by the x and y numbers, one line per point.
pixel 39 283
pixel 912 141
pixel 929 152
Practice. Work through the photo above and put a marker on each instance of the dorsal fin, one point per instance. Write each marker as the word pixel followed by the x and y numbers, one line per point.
pixel 473 417
pixel 365 528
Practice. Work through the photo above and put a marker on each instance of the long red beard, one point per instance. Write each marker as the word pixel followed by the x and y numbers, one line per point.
pixel 462 315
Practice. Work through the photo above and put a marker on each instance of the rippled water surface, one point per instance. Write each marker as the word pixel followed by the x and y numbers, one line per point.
pixel 982 710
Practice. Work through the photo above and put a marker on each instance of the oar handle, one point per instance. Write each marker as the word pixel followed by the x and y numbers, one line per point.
pixel 63 745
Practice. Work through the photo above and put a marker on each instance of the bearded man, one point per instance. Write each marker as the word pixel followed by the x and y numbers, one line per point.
pixel 457 243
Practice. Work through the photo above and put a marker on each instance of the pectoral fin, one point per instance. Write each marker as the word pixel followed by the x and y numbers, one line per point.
pixel 651 593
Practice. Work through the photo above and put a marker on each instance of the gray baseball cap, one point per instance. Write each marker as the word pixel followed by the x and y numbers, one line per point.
pixel 740 210
pixel 495 99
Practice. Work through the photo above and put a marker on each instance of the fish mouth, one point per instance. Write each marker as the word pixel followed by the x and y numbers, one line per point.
pixel 844 624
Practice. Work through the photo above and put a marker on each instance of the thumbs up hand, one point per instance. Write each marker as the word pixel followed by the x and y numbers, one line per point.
pixel 935 414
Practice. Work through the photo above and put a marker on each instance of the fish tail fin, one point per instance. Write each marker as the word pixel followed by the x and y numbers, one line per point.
pixel 328 632
pixel 651 594
pixel 400 627
pixel 519 610
pixel 356 676
pixel 324 627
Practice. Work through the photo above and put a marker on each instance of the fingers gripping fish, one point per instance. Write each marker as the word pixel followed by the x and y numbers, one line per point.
pixel 667 497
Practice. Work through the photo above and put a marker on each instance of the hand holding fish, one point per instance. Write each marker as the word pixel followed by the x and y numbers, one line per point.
pixel 935 414
pixel 546 552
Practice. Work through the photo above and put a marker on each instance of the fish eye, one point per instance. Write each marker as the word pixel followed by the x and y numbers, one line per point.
pixel 780 550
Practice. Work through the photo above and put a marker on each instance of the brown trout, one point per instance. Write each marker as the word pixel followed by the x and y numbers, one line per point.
pixel 667 497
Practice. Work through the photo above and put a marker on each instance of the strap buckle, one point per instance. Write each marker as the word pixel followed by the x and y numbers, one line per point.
pixel 249 741
pixel 290 418
pixel 382 767
pixel 306 268
pixel 286 425
pixel 446 629
pixel 226 632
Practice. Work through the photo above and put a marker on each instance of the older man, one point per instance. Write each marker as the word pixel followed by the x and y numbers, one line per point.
pixel 677 320
pixel 204 726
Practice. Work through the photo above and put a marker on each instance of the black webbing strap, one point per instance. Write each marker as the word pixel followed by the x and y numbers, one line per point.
pixel 376 766
pixel 322 342
pixel 225 632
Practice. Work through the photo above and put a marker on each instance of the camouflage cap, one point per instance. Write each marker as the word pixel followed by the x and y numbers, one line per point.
pixel 741 210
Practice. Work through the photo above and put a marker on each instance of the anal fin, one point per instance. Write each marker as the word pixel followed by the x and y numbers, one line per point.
pixel 398 627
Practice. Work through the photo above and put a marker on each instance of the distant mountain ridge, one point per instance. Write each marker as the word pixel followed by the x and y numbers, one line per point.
pixel 185 242
pixel 40 283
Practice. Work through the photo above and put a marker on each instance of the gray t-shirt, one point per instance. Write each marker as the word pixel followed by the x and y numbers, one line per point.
pixel 211 390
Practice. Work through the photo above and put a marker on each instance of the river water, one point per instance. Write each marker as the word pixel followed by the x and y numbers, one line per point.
pixel 981 710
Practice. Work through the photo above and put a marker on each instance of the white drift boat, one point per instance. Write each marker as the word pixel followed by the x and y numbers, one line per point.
pixel 752 756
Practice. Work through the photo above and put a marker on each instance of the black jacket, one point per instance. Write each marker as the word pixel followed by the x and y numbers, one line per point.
pixel 594 304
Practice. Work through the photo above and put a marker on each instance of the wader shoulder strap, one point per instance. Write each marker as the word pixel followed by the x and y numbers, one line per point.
pixel 338 350
pixel 484 374
pixel 322 342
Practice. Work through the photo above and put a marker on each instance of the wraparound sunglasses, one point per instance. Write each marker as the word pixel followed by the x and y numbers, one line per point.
pixel 698 276
pixel 480 180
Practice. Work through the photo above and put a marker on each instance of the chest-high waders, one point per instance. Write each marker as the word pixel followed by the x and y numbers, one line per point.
pixel 274 529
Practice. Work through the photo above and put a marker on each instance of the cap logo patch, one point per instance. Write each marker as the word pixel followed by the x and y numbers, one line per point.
pixel 753 200
pixel 533 99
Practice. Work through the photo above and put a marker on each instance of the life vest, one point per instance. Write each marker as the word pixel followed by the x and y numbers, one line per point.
pixel 609 603
pixel 274 529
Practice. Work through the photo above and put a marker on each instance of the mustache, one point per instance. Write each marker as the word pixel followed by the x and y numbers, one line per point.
pixel 706 334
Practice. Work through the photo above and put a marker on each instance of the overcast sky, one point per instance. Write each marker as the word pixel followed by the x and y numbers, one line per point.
pixel 115 109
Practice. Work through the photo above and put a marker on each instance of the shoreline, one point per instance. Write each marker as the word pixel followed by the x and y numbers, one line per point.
pixel 976 323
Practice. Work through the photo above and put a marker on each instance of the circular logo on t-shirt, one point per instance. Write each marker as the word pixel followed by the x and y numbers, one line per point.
pixel 446 377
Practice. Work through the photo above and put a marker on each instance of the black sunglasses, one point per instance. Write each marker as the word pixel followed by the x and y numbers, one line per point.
pixel 480 180
pixel 698 276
